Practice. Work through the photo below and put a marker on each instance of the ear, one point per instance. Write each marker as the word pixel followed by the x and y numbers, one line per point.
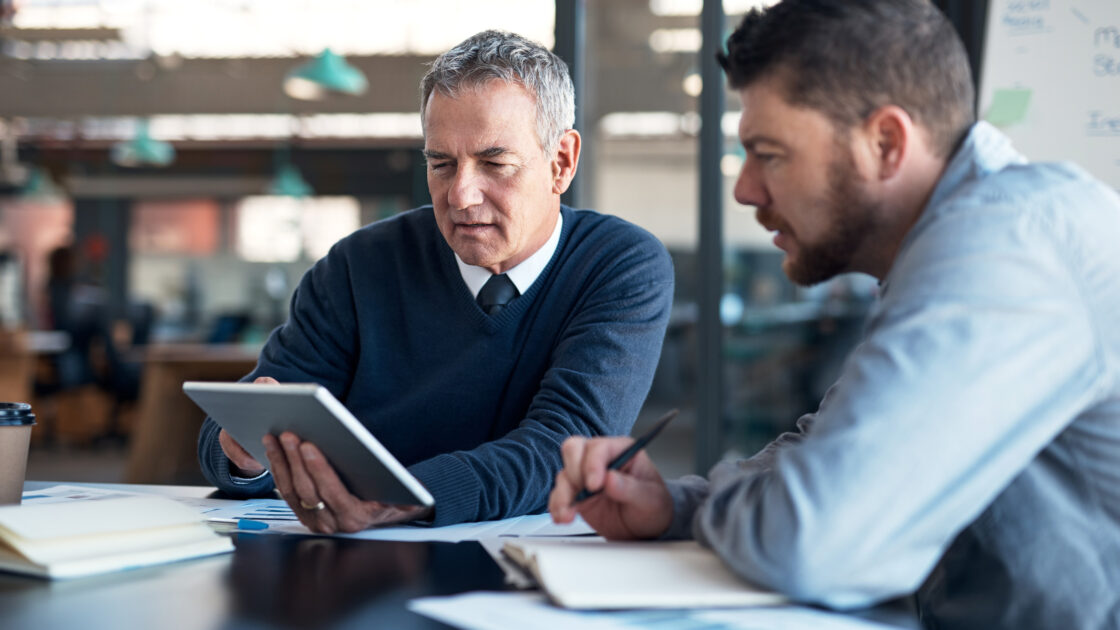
pixel 565 161
pixel 890 134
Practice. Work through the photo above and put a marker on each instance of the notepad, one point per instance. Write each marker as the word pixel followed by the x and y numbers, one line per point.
pixel 80 538
pixel 615 575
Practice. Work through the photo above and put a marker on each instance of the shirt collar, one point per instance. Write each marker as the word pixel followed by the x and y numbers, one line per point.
pixel 984 150
pixel 524 274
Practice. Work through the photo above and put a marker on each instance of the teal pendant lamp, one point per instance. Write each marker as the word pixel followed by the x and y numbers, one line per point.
pixel 40 186
pixel 289 182
pixel 326 73
pixel 142 150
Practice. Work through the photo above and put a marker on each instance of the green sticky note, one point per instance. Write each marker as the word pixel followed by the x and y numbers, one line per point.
pixel 1008 107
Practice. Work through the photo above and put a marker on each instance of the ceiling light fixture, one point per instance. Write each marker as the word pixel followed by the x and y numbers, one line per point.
pixel 41 186
pixel 326 73
pixel 288 182
pixel 142 150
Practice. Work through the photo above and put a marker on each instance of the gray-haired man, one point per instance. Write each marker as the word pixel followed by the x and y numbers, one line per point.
pixel 474 335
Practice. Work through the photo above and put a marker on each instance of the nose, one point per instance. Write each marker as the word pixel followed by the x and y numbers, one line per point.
pixel 749 188
pixel 466 188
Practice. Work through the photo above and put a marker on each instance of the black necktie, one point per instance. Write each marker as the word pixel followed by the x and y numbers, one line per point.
pixel 496 293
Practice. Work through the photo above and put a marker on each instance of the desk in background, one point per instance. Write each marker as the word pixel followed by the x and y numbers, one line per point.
pixel 163 444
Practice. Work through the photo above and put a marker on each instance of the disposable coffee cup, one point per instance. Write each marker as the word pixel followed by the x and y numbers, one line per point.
pixel 16 421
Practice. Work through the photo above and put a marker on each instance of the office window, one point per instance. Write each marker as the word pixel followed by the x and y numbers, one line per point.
pixel 286 229
pixel 189 227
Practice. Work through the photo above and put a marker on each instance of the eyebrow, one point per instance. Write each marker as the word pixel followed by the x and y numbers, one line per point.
pixel 491 152
pixel 488 152
pixel 752 142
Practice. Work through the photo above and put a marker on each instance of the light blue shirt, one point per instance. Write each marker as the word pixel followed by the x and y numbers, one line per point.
pixel 970 450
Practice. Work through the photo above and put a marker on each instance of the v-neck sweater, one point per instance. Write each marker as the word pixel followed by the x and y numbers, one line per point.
pixel 475 406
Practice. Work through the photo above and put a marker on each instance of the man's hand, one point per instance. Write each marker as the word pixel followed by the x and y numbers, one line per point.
pixel 318 497
pixel 634 502
pixel 243 463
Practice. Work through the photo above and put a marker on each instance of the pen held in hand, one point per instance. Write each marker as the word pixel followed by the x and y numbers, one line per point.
pixel 629 453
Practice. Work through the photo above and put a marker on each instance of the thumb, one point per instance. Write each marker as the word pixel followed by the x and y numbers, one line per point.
pixel 266 380
pixel 624 488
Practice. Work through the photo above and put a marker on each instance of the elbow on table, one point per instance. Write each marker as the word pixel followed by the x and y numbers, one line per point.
pixel 838 556
pixel 809 585
pixel 814 574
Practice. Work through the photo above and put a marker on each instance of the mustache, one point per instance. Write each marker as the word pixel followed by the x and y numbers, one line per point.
pixel 765 217
pixel 472 220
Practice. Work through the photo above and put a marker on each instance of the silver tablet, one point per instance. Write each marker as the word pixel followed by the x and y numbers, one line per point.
pixel 248 411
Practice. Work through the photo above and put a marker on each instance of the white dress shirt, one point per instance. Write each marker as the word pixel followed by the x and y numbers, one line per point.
pixel 524 274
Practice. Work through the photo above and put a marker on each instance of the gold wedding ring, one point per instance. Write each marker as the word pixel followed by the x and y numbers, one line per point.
pixel 314 508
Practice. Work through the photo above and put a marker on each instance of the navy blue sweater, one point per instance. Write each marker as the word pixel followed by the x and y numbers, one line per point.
pixel 475 406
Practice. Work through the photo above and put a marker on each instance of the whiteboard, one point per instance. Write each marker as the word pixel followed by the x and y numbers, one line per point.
pixel 1051 80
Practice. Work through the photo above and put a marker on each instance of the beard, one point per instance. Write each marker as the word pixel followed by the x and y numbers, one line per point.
pixel 851 213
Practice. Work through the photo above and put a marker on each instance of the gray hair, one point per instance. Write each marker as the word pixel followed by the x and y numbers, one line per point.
pixel 511 58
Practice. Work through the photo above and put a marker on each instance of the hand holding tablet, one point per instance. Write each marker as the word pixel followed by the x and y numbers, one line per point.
pixel 330 469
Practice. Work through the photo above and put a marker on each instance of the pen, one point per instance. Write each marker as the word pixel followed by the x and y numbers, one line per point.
pixel 628 454
pixel 244 523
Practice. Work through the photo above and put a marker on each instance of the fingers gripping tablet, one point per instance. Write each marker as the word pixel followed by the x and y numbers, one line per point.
pixel 247 411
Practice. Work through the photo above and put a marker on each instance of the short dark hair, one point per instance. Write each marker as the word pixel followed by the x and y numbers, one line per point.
pixel 847 58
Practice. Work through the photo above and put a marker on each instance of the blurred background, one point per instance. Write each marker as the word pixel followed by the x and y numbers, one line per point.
pixel 169 169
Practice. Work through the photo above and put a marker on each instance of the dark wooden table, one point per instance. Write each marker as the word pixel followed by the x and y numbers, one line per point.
pixel 269 581
pixel 276 581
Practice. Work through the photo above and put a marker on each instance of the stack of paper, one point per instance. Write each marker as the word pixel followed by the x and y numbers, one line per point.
pixel 611 575
pixel 531 611
pixel 78 538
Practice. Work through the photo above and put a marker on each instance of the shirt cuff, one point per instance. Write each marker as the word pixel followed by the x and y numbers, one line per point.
pixel 687 494
pixel 454 487
pixel 240 479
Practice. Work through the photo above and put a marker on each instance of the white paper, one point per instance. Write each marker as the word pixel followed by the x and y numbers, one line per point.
pixel 531 611
pixel 266 510
pixel 791 618
pixel 502 611
pixel 518 526
pixel 281 519
pixel 63 493
pixel 535 525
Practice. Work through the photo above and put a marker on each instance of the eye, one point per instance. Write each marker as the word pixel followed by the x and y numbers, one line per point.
pixel 762 158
